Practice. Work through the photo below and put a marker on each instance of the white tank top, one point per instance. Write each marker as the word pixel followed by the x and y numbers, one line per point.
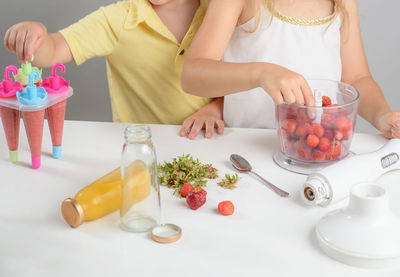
pixel 312 51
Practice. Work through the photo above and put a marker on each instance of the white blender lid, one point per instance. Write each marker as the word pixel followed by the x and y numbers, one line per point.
pixel 366 233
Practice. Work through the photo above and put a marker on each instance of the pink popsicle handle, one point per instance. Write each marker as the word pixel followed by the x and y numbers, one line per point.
pixel 9 68
pixel 54 69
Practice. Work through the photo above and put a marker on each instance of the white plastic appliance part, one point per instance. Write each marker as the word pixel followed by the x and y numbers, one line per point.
pixel 366 233
pixel 333 183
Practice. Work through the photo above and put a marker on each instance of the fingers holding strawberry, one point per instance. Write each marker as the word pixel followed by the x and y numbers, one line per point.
pixel 285 86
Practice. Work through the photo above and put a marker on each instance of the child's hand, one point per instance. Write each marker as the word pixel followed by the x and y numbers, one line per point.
pixel 24 39
pixel 285 86
pixel 208 118
pixel 389 124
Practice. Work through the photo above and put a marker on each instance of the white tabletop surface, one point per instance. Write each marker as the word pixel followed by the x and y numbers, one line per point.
pixel 266 236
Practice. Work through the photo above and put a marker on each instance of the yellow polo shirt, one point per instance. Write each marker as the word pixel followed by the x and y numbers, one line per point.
pixel 144 61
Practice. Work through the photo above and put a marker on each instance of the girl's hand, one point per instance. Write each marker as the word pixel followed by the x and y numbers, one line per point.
pixel 389 124
pixel 285 86
pixel 207 118
pixel 24 39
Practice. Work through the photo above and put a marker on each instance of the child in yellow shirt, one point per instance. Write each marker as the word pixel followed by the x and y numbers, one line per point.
pixel 145 44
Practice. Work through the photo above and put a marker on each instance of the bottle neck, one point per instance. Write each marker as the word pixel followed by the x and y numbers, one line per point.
pixel 137 134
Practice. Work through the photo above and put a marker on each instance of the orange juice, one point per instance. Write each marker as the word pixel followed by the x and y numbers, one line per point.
pixel 103 196
pixel 95 200
pixel 136 185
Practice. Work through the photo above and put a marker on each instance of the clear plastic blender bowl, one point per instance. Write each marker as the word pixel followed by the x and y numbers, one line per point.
pixel 311 138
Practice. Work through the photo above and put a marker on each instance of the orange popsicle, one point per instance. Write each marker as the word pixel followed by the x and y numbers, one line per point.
pixel 55 119
pixel 11 122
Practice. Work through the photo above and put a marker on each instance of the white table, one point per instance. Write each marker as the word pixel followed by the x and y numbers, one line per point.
pixel 267 235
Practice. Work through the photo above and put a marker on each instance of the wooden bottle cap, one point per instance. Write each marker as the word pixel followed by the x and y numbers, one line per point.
pixel 72 212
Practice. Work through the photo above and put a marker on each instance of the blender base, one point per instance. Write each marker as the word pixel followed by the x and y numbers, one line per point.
pixel 300 167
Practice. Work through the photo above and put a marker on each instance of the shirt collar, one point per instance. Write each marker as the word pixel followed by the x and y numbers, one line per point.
pixel 141 10
pixel 138 12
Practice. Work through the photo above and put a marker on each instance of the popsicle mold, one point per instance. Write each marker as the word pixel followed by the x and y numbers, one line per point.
pixel 31 94
pixel 32 102
pixel 7 87
pixel 24 72
pixel 11 122
pixel 55 83
pixel 55 119
pixel 34 122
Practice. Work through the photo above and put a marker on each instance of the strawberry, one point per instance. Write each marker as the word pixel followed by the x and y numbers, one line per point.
pixel 201 190
pixel 326 101
pixel 284 134
pixel 226 208
pixel 346 135
pixel 331 110
pixel 305 153
pixel 318 155
pixel 303 129
pixel 334 151
pixel 302 116
pixel 196 198
pixel 328 120
pixel 289 125
pixel 186 188
pixel 312 140
pixel 303 150
pixel 324 144
pixel 328 134
pixel 338 135
pixel 286 111
pixel 343 124
pixel 317 130
pixel 337 149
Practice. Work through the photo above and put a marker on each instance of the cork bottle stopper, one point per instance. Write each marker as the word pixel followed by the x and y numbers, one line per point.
pixel 72 212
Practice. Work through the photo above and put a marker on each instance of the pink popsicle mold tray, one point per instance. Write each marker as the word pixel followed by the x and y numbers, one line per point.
pixel 56 87
pixel 51 100
pixel 32 102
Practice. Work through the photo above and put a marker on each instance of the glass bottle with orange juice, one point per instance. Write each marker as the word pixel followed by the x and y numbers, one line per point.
pixel 95 200
pixel 140 208
pixel 137 195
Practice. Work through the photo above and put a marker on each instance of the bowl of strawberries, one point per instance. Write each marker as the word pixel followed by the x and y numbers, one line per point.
pixel 311 138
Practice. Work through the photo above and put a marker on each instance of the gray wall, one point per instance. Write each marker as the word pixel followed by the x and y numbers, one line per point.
pixel 379 23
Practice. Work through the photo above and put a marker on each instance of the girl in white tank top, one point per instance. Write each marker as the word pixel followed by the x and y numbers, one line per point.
pixel 293 41
pixel 311 50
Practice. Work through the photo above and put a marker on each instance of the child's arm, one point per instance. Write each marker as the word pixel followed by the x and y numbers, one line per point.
pixel 27 38
pixel 208 117
pixel 204 73
pixel 372 105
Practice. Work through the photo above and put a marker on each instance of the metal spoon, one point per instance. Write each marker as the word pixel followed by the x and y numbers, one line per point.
pixel 243 165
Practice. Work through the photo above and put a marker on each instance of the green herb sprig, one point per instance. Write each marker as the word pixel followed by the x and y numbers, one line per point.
pixel 185 169
pixel 229 182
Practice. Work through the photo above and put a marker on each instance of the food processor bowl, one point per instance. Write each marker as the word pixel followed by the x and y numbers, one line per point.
pixel 312 137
